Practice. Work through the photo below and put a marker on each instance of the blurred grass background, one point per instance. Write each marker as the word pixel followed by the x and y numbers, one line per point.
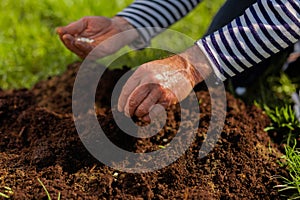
pixel 30 50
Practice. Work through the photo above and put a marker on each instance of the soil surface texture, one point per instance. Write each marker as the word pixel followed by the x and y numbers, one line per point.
pixel 39 141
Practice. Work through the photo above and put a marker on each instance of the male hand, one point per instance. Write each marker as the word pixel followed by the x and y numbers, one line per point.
pixel 163 82
pixel 97 30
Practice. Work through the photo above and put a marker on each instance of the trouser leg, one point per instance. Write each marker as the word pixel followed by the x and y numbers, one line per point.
pixel 229 11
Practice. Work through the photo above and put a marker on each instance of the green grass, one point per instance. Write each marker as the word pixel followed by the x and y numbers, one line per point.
pixel 292 162
pixel 46 191
pixel 30 50
pixel 284 122
pixel 6 192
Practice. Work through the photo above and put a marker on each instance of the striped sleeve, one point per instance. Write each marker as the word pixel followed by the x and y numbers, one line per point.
pixel 151 17
pixel 264 29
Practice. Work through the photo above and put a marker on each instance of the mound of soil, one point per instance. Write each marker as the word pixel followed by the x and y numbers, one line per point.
pixel 39 141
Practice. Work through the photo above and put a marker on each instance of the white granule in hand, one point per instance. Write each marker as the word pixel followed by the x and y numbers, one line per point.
pixel 83 39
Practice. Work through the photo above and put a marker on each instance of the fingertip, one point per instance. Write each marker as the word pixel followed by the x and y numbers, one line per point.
pixel 121 105
pixel 60 30
pixel 124 104
pixel 126 110
pixel 67 37
pixel 120 109
pixel 69 42
pixel 146 119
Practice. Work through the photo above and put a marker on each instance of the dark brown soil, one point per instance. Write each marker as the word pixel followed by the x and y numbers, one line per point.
pixel 39 140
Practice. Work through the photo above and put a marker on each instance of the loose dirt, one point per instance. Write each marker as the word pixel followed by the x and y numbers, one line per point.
pixel 39 141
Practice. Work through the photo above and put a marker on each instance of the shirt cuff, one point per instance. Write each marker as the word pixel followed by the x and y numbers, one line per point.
pixel 144 38
pixel 213 60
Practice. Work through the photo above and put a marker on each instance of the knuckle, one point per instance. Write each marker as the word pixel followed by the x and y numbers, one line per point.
pixel 132 102
pixel 150 76
pixel 152 98
pixel 85 18
pixel 125 93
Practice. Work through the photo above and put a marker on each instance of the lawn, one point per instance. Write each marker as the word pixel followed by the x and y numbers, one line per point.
pixel 31 51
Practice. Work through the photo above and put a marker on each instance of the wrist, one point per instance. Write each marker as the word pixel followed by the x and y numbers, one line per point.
pixel 123 25
pixel 198 65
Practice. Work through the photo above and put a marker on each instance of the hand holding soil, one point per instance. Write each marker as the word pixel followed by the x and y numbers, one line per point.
pixel 97 30
pixel 163 82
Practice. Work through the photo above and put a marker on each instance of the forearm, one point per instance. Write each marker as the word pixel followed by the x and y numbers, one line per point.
pixel 265 28
pixel 152 17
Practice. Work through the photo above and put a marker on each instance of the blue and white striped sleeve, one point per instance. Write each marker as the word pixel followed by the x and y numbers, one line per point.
pixel 151 17
pixel 264 29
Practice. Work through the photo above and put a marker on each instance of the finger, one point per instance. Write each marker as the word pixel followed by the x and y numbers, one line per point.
pixel 148 102
pixel 146 118
pixel 127 89
pixel 155 111
pixel 84 47
pixel 61 38
pixel 69 42
pixel 74 28
pixel 135 99
pixel 60 31
pixel 166 98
